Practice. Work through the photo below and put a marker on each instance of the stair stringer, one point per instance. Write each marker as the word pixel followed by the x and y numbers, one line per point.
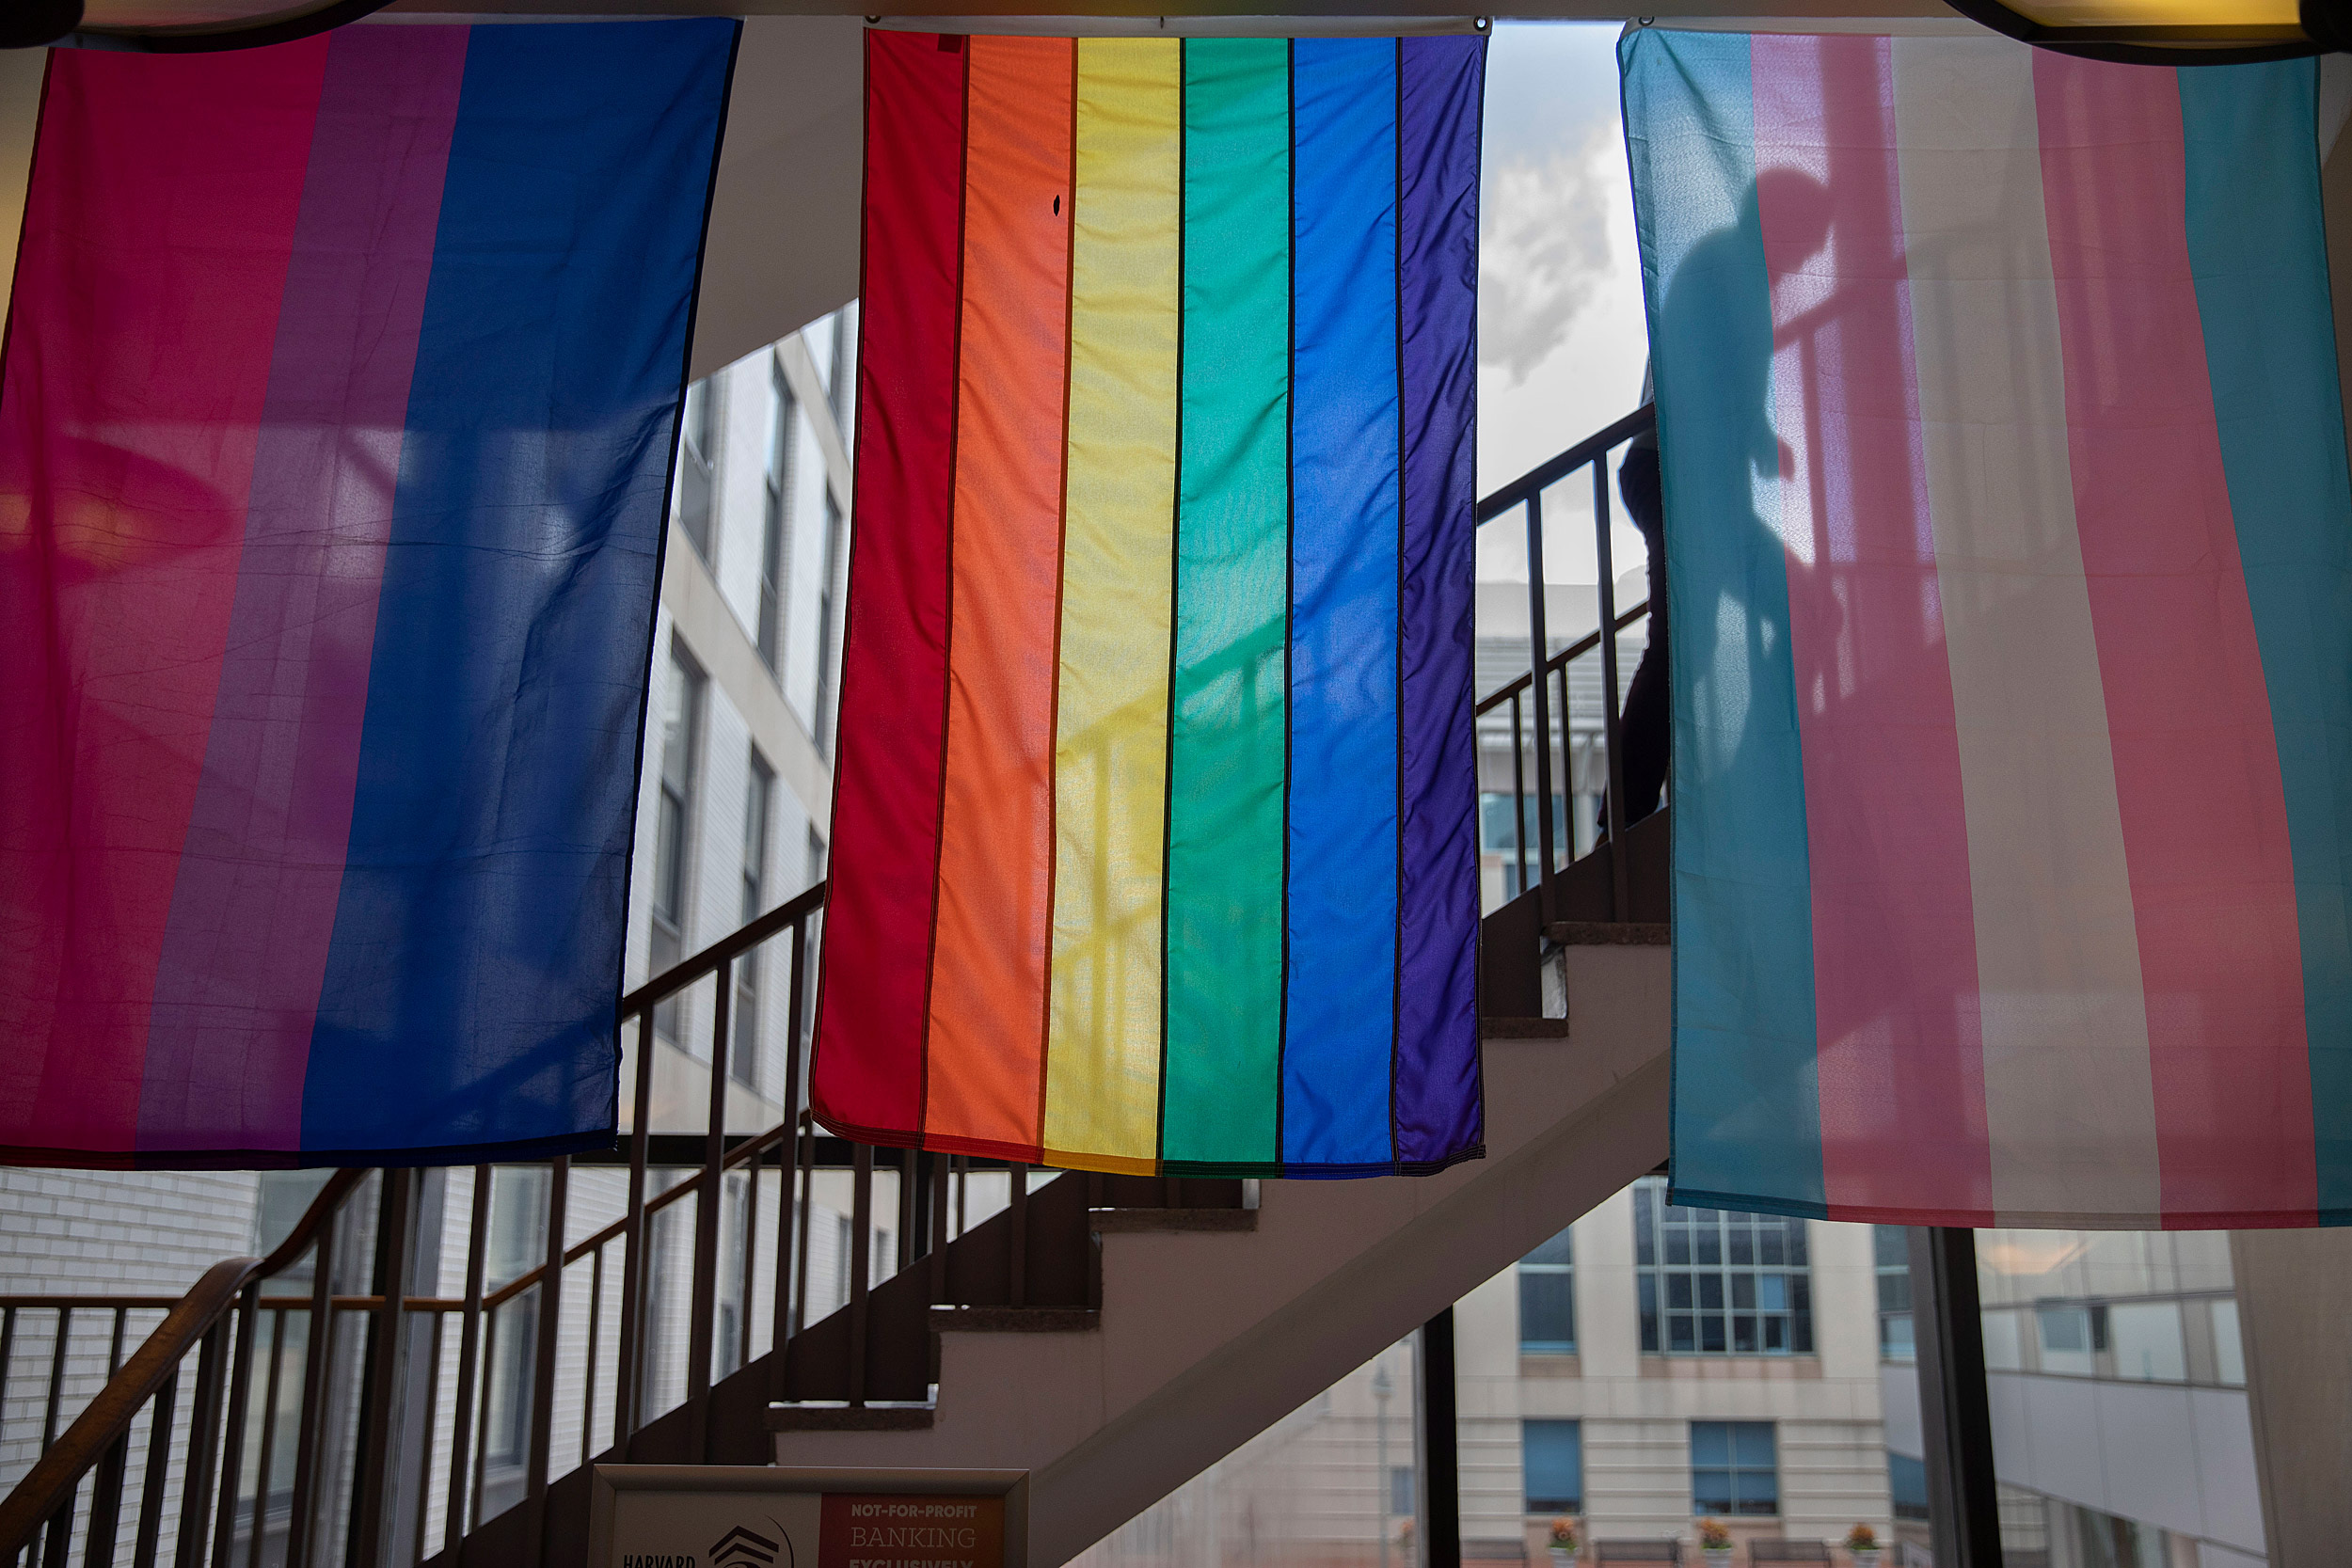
pixel 1207 1339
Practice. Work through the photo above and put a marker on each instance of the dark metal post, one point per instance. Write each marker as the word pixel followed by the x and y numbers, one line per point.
pixel 1620 894
pixel 630 1373
pixel 542 1343
pixel 318 1345
pixel 381 1380
pixel 1540 645
pixel 861 1240
pixel 1518 790
pixel 702 1323
pixel 1955 1418
pixel 461 1456
pixel 1442 1488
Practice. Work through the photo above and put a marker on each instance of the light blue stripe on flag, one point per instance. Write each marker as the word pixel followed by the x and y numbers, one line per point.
pixel 1746 1103
pixel 1339 1030
pixel 2270 350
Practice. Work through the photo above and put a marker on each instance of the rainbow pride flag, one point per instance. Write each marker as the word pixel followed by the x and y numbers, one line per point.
pixel 2011 560
pixel 339 390
pixel 1155 838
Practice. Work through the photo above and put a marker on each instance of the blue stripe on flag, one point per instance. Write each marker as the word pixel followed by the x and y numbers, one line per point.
pixel 1340 1001
pixel 2270 351
pixel 475 965
pixel 1746 1101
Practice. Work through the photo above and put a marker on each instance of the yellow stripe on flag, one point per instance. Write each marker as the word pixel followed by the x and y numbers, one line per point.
pixel 1102 1054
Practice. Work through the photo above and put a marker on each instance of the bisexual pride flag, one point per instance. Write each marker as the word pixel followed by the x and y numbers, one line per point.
pixel 340 389
pixel 2010 562
pixel 1154 845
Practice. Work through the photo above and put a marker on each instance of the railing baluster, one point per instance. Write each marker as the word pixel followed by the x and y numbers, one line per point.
pixel 374 1465
pixel 964 1186
pixel 629 1380
pixel 432 1420
pixel 588 1384
pixel 807 1220
pixel 196 1487
pixel 8 1354
pixel 159 1459
pixel 1540 645
pixel 114 1346
pixel 266 1460
pixel 482 1418
pixel 314 1369
pixel 1620 895
pixel 233 1441
pixel 542 1346
pixel 904 1251
pixel 751 1255
pixel 469 1340
pixel 1519 793
pixel 939 1229
pixel 789 1220
pixel 861 1239
pixel 1017 1218
pixel 56 1377
pixel 1563 715
pixel 105 1503
pixel 59 1542
pixel 705 1289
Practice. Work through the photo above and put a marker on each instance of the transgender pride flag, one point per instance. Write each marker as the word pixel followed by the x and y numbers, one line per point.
pixel 335 422
pixel 2010 555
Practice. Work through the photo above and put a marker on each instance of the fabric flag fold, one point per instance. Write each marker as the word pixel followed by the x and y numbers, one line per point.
pixel 340 389
pixel 1153 840
pixel 2010 554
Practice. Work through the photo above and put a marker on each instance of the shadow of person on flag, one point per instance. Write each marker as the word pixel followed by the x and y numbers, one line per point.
pixel 1737 454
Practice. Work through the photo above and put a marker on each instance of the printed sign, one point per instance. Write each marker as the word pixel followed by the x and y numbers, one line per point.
pixel 756 1516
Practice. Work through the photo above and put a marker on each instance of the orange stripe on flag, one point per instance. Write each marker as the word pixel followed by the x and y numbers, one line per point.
pixel 993 935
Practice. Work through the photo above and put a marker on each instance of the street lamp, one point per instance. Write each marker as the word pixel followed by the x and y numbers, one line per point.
pixel 2170 32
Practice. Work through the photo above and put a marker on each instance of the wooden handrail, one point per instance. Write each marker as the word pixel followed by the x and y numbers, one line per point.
pixel 742 940
pixel 49 1485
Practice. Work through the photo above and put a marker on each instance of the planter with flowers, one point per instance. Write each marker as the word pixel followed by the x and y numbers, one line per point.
pixel 1564 1543
pixel 1715 1542
pixel 1864 1542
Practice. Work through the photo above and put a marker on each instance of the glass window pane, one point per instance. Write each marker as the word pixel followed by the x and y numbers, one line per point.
pixel 1557 1250
pixel 1552 1456
pixel 1546 1311
pixel 1752 1444
pixel 1711 1441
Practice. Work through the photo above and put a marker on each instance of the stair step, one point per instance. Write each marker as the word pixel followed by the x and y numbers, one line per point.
pixel 1523 1028
pixel 1610 933
pixel 828 1416
pixel 1106 1221
pixel 1015 1320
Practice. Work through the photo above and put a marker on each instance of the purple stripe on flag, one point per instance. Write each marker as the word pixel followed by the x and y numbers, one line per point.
pixel 1437 1106
pixel 261 868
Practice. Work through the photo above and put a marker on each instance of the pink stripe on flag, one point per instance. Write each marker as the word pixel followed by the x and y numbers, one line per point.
pixel 158 231
pixel 263 866
pixel 1901 1066
pixel 2196 762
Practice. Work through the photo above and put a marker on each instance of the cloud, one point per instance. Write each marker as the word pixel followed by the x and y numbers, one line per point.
pixel 1544 248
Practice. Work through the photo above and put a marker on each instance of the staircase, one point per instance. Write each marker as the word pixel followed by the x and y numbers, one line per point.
pixel 1112 1336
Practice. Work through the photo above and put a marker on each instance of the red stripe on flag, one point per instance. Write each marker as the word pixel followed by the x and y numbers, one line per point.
pixel 2196 760
pixel 867 1079
pixel 158 231
pixel 1902 1061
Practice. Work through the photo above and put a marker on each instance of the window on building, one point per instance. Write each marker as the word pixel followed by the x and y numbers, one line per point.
pixel 697 465
pixel 1551 1457
pixel 2229 1350
pixel 773 537
pixel 516 1243
pixel 2073 1333
pixel 828 590
pixel 1891 1244
pixel 1732 1469
pixel 681 736
pixel 1495 836
pixel 2147 1341
pixel 841 373
pixel 1548 1298
pixel 1907 1485
pixel 759 794
pixel 1714 1282
pixel 1401 1489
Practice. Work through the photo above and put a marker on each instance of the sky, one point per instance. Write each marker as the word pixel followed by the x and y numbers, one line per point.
pixel 1561 339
